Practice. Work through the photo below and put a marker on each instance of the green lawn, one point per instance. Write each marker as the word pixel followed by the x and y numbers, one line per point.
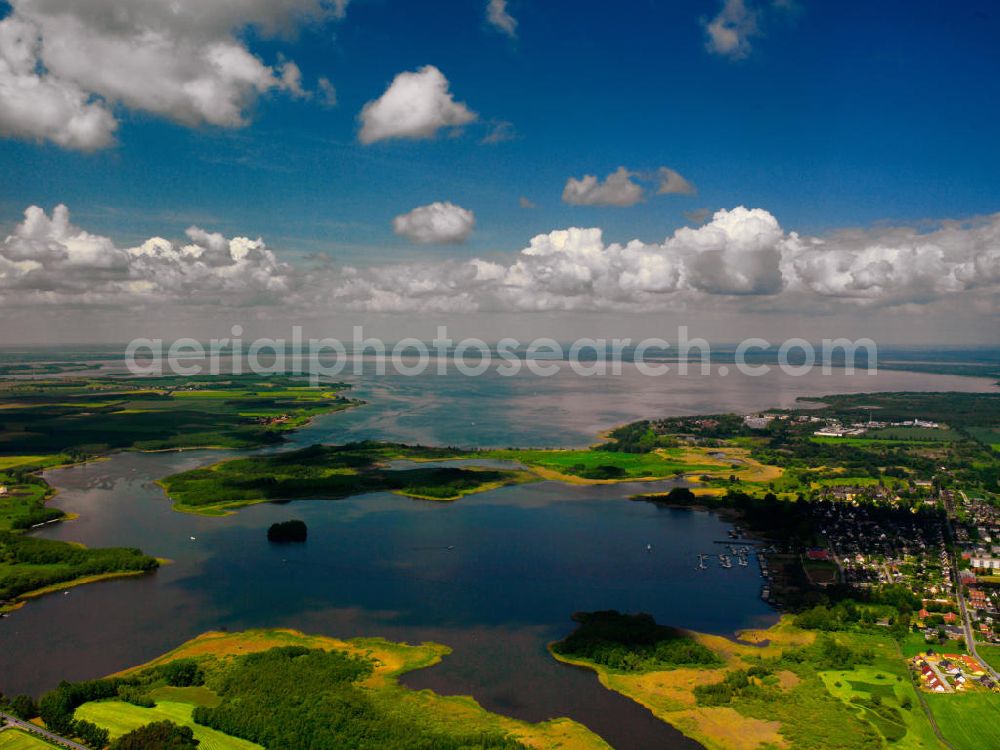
pixel 915 644
pixel 597 464
pixel 14 739
pixel 864 441
pixel 31 463
pixel 848 482
pixel 198 696
pixel 23 505
pixel 970 721
pixel 119 718
pixel 991 654
pixel 922 434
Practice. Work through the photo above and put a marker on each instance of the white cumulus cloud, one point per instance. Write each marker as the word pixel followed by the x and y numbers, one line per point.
pixel 439 222
pixel 65 66
pixel 673 183
pixel 617 189
pixel 48 260
pixel 624 187
pixel 417 104
pixel 729 32
pixel 740 260
pixel 497 14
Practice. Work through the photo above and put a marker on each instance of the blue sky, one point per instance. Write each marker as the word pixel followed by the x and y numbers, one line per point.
pixel 844 114
pixel 844 160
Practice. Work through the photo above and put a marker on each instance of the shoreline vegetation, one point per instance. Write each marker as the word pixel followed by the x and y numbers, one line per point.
pixel 58 423
pixel 330 472
pixel 283 688
pixel 784 687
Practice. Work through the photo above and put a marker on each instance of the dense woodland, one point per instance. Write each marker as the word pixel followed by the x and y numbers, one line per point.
pixel 294 697
pixel 28 563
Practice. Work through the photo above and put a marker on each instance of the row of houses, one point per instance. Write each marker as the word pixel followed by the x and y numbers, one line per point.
pixel 946 673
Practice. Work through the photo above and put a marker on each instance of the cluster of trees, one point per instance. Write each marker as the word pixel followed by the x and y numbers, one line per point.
pixel 710 428
pixel 21 706
pixel 637 437
pixel 56 562
pixel 896 602
pixel 288 531
pixel 179 673
pixel 632 643
pixel 56 708
pixel 136 695
pixel 602 471
pixel 298 697
pixel 739 683
pixel 160 735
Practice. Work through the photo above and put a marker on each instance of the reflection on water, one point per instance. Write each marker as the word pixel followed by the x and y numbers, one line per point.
pixel 567 410
pixel 496 576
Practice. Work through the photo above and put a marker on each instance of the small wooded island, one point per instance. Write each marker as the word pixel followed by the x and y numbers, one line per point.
pixel 288 531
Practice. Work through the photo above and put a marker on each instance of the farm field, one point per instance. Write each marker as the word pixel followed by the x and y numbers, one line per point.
pixel 91 416
pixel 120 718
pixel 14 739
pixel 991 654
pixel 970 721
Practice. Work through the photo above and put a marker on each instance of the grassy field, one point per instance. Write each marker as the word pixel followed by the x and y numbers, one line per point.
pixel 970 722
pixel 214 650
pixel 864 441
pixel 991 654
pixel 597 465
pixel 892 689
pixel 120 718
pixel 922 434
pixel 915 644
pixel 31 463
pixel 23 505
pixel 14 739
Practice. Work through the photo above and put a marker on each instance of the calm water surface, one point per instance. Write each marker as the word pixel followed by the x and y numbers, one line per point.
pixel 495 576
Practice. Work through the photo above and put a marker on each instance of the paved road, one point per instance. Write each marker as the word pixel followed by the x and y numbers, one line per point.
pixel 55 739
pixel 970 634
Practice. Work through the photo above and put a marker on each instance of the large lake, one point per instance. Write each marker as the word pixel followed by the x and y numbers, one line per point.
pixel 496 576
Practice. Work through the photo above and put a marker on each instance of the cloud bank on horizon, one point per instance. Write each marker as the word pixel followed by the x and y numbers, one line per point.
pixel 742 259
